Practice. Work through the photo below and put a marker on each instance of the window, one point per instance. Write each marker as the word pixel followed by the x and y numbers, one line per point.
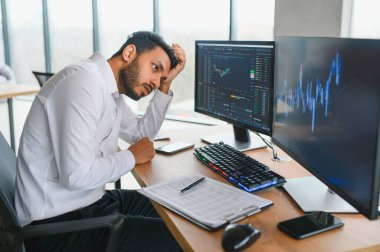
pixel 183 22
pixel 71 31
pixel 26 38
pixel 119 18
pixel 254 19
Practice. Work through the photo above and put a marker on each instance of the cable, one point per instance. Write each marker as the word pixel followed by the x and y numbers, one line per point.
pixel 275 157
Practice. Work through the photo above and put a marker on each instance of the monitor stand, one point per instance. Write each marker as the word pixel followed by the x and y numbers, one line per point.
pixel 241 140
pixel 312 195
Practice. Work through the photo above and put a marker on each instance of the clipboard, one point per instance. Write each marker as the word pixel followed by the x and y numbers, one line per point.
pixel 211 204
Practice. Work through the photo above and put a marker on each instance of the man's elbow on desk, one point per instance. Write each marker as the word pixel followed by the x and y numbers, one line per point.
pixel 100 172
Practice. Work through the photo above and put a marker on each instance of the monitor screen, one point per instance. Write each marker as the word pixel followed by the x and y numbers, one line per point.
pixel 327 109
pixel 234 82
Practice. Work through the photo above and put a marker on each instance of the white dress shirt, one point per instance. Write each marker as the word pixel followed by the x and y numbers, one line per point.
pixel 68 149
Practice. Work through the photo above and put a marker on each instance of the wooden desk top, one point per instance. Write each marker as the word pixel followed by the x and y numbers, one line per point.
pixel 12 90
pixel 358 232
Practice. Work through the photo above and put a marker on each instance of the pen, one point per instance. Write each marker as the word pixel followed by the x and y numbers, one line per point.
pixel 192 185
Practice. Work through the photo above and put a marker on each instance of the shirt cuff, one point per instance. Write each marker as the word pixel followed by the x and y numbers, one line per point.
pixel 130 160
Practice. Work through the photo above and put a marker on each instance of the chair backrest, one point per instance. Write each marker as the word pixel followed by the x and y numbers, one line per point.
pixel 8 217
pixel 42 77
pixel 6 74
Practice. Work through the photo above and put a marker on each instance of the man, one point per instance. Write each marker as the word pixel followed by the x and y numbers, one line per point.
pixel 68 149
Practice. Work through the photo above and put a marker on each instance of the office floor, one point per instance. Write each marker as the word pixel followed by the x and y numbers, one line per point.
pixel 21 108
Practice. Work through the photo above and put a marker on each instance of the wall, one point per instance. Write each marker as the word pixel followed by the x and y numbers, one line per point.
pixel 308 17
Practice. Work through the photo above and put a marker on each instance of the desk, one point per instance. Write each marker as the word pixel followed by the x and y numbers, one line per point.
pixel 358 232
pixel 8 91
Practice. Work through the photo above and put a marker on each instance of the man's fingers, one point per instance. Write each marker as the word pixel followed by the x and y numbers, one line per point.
pixel 180 54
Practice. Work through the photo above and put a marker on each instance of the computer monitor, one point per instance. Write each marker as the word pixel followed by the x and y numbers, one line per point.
pixel 234 83
pixel 327 96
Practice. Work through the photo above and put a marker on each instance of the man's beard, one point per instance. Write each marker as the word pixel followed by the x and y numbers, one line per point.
pixel 128 77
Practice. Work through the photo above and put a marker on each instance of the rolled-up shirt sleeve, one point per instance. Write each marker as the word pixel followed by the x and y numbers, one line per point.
pixel 134 128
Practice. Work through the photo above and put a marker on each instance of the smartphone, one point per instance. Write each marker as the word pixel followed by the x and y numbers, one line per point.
pixel 174 147
pixel 310 224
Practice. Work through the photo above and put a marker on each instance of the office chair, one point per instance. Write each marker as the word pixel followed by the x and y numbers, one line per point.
pixel 6 76
pixel 42 77
pixel 12 235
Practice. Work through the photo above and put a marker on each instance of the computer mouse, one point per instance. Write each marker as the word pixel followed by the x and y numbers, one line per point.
pixel 239 236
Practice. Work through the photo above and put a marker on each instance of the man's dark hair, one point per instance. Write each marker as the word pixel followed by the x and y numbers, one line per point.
pixel 147 41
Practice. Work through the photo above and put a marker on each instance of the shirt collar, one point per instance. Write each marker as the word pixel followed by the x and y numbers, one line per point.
pixel 106 72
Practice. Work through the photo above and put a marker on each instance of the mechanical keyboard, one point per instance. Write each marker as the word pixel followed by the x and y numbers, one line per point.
pixel 238 168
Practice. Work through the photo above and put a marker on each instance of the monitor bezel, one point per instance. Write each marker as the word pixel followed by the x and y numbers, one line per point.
pixel 372 213
pixel 223 118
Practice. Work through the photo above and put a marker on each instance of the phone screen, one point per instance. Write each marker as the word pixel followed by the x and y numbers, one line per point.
pixel 174 147
pixel 310 224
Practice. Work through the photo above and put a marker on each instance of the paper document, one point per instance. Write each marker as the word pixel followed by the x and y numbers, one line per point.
pixel 210 204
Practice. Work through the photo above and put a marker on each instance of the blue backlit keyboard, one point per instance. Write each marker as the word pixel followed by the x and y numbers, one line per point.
pixel 238 168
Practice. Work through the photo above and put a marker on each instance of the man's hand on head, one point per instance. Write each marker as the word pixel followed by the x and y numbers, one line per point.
pixel 143 150
pixel 181 57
